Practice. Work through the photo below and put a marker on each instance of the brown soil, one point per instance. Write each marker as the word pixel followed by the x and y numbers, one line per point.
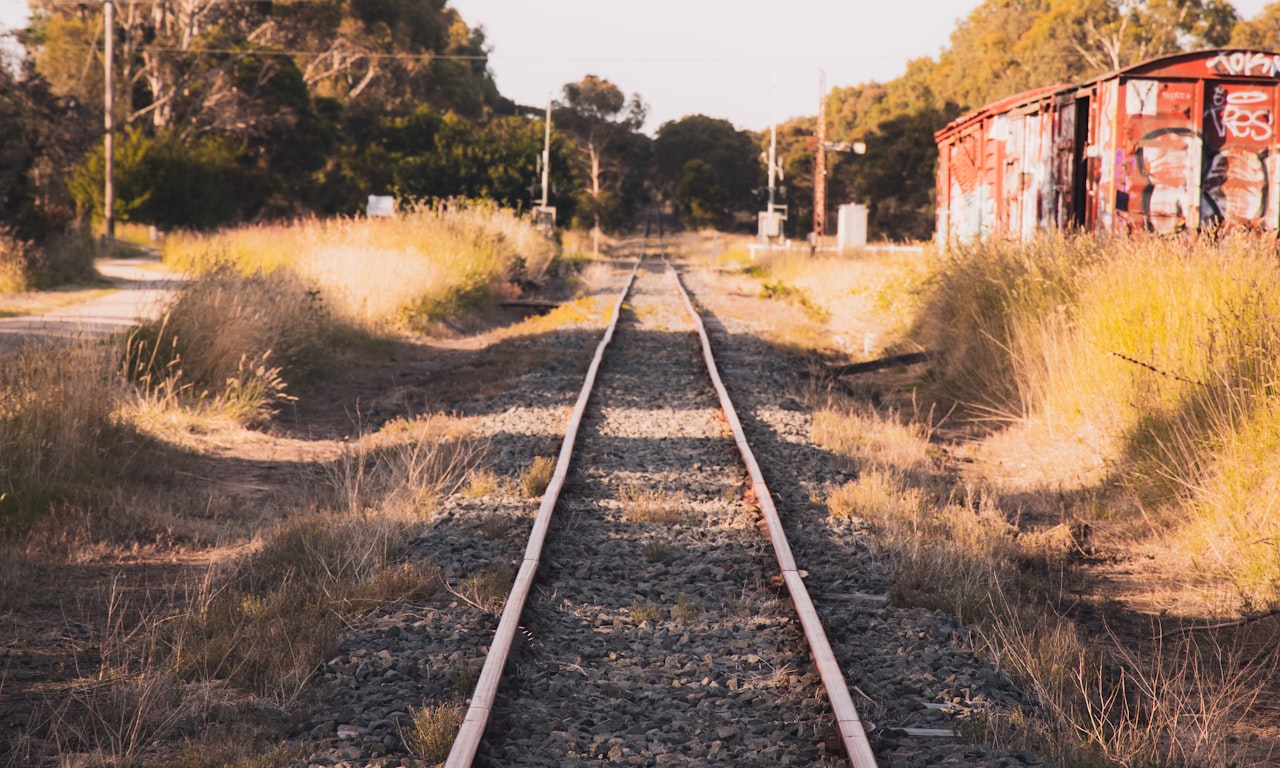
pixel 197 494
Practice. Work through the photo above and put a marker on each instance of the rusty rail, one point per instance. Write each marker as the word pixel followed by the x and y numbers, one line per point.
pixel 481 706
pixel 852 733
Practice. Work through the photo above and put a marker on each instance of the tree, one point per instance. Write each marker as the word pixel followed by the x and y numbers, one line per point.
pixel 699 196
pixel 731 156
pixel 167 181
pixel 1007 46
pixel 1262 31
pixel 427 155
pixel 603 122
pixel 17 155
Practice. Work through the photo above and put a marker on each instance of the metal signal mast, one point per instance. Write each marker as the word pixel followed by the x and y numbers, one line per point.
pixel 820 166
pixel 820 148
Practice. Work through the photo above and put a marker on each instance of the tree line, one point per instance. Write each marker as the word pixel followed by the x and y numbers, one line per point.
pixel 245 110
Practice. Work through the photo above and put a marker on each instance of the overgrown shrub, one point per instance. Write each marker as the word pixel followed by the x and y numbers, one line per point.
pixel 232 339
pixel 166 180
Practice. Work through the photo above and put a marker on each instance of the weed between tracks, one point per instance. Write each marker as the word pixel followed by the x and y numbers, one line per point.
pixel 652 505
pixel 534 481
pixel 433 731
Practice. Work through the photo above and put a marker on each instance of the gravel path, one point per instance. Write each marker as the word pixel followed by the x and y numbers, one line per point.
pixel 656 634
pixel 141 287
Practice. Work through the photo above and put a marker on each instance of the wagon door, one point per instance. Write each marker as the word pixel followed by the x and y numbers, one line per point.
pixel 1158 184
pixel 1239 172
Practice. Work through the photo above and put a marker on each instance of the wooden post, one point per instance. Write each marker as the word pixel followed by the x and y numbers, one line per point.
pixel 108 119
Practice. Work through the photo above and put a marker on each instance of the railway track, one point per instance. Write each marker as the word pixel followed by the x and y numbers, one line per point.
pixel 663 627
pixel 658 628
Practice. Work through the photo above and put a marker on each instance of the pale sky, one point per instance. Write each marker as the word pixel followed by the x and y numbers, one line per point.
pixel 748 61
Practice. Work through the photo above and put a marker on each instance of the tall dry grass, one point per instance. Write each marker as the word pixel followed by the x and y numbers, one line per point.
pixel 377 274
pixel 58 424
pixel 1158 353
pixel 1096 701
pixel 231 341
pixel 1165 351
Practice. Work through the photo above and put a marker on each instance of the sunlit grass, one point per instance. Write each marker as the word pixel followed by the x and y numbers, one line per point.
pixel 1164 352
pixel 379 274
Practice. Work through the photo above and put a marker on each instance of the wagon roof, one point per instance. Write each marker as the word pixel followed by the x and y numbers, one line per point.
pixel 1007 104
pixel 1214 63
pixel 1210 62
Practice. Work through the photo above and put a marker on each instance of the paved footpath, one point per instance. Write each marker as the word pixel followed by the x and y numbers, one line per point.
pixel 141 287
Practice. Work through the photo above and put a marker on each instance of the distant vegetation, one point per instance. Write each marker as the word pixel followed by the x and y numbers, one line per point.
pixel 248 112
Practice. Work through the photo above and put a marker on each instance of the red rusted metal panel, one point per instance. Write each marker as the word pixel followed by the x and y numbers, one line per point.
pixel 1182 142
pixel 1157 166
pixel 1239 181
pixel 995 176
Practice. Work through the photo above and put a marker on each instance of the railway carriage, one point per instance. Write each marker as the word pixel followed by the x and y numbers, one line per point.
pixel 1181 142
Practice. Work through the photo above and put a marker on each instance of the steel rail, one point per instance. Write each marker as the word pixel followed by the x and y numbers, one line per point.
pixel 852 733
pixel 479 710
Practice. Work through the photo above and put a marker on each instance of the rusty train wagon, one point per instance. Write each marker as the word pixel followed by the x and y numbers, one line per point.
pixel 1185 141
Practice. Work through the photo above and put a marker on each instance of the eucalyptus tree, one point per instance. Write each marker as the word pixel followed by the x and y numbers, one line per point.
pixel 1262 31
pixel 604 123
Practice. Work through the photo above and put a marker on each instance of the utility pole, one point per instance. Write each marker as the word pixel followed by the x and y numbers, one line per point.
pixel 770 220
pixel 820 166
pixel 545 213
pixel 546 155
pixel 773 165
pixel 108 119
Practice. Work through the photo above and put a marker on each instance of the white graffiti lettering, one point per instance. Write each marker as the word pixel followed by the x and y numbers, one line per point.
pixel 1246 63
pixel 1232 113
pixel 1247 123
pixel 1246 97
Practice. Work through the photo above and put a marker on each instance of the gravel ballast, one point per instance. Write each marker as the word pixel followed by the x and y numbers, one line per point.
pixel 657 633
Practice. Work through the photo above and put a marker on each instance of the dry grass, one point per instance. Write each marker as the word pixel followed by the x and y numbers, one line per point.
pixel 247 639
pixel 642 612
pixel 862 302
pixel 534 481
pixel 488 588
pixel 375 275
pixel 227 343
pixel 481 483
pixel 1159 355
pixel 656 551
pixel 685 611
pixel 641 504
pixel 1178 701
pixel 434 728
pixel 15 255
pixel 58 424
pixel 1111 378
pixel 64 257
pixel 405 469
